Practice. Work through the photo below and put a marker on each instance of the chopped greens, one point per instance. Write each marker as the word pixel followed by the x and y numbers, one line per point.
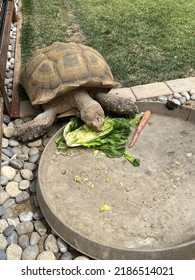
pixel 111 140
pixel 132 159
pixel 105 207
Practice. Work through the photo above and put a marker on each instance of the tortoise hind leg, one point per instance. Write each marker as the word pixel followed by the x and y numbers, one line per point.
pixel 117 101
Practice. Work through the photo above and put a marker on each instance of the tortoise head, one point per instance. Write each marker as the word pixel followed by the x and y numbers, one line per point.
pixel 93 116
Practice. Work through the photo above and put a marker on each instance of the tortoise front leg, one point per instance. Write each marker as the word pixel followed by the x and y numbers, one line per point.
pixel 37 127
pixel 118 102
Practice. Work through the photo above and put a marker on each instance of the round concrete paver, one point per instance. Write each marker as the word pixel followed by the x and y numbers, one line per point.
pixel 152 206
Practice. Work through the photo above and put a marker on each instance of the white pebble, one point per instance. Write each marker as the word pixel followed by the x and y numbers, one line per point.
pixel 8 172
pixel 12 189
pixel 14 252
pixel 8 132
pixel 186 95
pixel 46 255
pixel 176 101
pixel 27 174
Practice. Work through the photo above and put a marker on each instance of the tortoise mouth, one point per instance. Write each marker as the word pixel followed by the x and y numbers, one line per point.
pixel 97 123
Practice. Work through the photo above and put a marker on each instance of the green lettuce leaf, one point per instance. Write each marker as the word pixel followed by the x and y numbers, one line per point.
pixel 111 140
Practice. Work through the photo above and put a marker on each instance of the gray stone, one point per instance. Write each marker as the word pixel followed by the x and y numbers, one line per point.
pixel 33 186
pixel 16 151
pixel 30 166
pixel 51 244
pixel 22 197
pixel 38 215
pixel 9 203
pixel 30 252
pixel 24 228
pixel 23 157
pixel 182 100
pixel 5 158
pixel 18 178
pixel 18 122
pixel 12 238
pixel 36 143
pixel 5 142
pixel 62 245
pixel 13 143
pixel 8 213
pixel 2 210
pixel 3 242
pixel 7 152
pixel 3 180
pixel 3 225
pixel 6 119
pixel 26 216
pixel 4 196
pixel 2 255
pixel 25 149
pixel 16 163
pixel 66 256
pixel 24 185
pixel 34 238
pixel 40 227
pixel 34 158
pixel 8 230
pixel 23 241
pixel 33 151
pixel 162 98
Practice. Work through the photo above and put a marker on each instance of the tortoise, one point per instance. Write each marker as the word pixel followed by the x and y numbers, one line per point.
pixel 70 79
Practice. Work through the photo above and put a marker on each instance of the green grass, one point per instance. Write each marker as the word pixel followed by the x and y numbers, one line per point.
pixel 143 41
pixel 43 22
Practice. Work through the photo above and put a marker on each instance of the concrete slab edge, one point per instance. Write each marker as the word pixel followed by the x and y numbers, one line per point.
pixel 163 88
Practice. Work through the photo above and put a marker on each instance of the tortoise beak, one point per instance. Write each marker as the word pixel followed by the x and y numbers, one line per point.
pixel 97 123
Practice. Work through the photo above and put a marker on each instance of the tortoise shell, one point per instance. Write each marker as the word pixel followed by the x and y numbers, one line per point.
pixel 61 68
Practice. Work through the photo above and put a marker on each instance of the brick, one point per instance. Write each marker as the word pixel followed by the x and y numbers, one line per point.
pixel 184 84
pixel 124 92
pixel 150 90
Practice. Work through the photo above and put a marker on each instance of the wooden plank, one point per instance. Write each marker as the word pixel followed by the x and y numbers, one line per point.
pixel 4 95
pixel 3 52
pixel 1 125
pixel 15 110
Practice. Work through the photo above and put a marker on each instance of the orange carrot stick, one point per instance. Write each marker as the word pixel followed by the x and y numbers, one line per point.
pixel 140 126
